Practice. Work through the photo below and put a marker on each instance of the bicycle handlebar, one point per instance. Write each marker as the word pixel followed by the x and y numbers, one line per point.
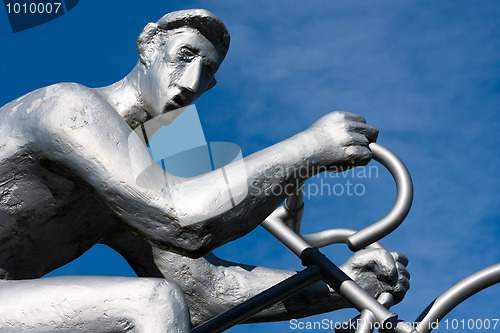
pixel 378 230
pixel 391 221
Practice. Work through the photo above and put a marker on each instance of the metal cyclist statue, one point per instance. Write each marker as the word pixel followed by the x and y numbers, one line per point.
pixel 67 154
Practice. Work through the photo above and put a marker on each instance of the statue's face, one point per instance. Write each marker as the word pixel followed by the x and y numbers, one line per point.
pixel 180 72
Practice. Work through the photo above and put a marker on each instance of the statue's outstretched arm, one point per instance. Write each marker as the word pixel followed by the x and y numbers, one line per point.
pixel 84 139
pixel 212 285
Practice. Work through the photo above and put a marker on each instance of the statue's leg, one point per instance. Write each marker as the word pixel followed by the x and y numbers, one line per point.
pixel 92 304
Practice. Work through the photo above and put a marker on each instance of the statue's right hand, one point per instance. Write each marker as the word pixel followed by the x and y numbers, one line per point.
pixel 341 140
pixel 378 271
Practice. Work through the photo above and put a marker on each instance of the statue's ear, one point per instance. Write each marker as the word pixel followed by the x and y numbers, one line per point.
pixel 145 43
pixel 212 84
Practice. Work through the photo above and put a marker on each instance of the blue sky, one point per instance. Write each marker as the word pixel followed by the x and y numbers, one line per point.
pixel 426 73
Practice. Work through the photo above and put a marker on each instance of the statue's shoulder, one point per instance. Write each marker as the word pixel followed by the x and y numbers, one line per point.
pixel 66 88
pixel 60 99
pixel 39 115
pixel 71 96
pixel 74 95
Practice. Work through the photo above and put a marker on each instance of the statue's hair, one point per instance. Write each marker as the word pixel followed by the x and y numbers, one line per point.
pixel 209 25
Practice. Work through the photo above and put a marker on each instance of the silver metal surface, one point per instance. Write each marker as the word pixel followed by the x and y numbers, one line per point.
pixel 366 322
pixel 294 205
pixel 368 319
pixel 349 289
pixel 386 299
pixel 455 295
pixel 402 206
pixel 362 300
pixel 333 236
pixel 260 302
pixel 67 179
pixel 82 304
pixel 213 285
pixel 83 177
pixel 369 235
pixel 274 225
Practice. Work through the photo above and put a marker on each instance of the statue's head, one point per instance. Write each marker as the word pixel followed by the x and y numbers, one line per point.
pixel 179 56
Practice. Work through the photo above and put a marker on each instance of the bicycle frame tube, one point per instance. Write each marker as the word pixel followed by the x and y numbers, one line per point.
pixel 365 322
pixel 455 295
pixel 332 275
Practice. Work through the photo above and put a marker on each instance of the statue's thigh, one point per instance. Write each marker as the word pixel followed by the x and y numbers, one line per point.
pixel 92 304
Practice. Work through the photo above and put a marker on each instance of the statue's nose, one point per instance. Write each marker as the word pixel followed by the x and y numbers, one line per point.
pixel 190 78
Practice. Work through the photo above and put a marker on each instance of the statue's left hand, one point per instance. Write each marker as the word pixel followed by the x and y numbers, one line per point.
pixel 378 271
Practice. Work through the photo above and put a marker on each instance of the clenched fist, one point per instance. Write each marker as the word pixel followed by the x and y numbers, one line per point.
pixel 340 140
pixel 378 271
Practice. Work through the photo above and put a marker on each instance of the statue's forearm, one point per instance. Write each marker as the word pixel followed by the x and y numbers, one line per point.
pixel 213 286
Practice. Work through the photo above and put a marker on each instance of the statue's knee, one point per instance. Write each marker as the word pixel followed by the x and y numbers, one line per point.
pixel 168 292
pixel 165 308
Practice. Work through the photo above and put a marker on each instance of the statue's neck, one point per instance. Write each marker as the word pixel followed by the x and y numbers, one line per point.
pixel 125 97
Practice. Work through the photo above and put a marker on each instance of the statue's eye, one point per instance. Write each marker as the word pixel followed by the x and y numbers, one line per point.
pixel 186 55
